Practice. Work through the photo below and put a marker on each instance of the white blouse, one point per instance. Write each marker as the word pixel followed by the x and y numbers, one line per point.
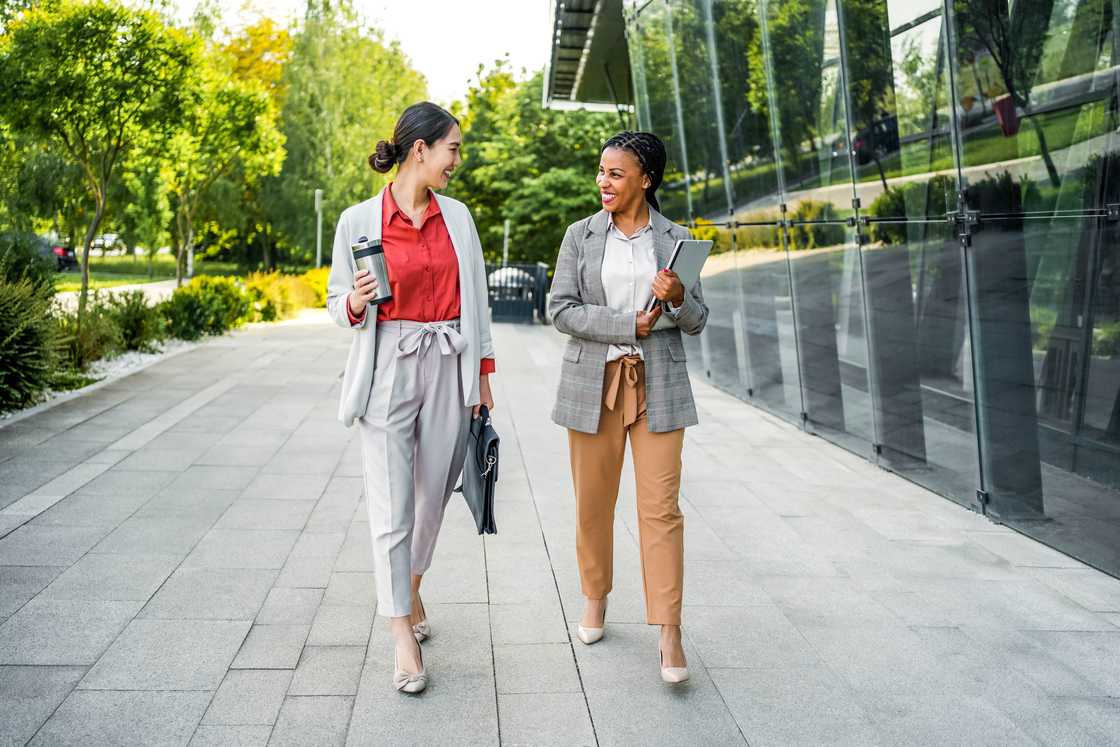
pixel 629 267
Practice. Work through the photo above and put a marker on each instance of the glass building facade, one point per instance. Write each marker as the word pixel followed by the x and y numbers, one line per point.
pixel 916 210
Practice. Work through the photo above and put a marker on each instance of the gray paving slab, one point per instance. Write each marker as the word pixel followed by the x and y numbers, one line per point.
pixel 112 578
pixel 248 696
pixel 211 594
pixel 545 719
pixel 328 670
pixel 168 655
pixel 251 735
pixel 155 534
pixel 272 647
pixel 269 486
pixel 242 548
pixel 19 583
pixel 351 588
pixel 536 668
pixel 306 572
pixel 29 695
pixel 48 545
pixel 249 513
pixel 341 625
pixel 124 718
pixel 315 720
pixel 290 606
pixel 62 632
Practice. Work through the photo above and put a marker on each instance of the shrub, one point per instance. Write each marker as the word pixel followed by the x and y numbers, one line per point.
pixel 317 280
pixel 28 343
pixel 19 259
pixel 808 233
pixel 206 306
pixel 96 337
pixel 915 200
pixel 141 325
pixel 268 297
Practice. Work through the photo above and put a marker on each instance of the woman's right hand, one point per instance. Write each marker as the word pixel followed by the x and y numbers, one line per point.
pixel 365 286
pixel 646 320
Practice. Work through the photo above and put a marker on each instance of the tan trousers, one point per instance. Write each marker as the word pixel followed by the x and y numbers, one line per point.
pixel 596 469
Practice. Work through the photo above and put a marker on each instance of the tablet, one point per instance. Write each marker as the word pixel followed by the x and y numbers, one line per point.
pixel 687 259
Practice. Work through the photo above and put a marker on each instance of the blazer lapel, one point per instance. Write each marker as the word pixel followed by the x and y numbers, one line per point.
pixel 663 241
pixel 594 248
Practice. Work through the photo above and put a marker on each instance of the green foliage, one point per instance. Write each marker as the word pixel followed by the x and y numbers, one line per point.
pixel 917 200
pixel 28 345
pixel 206 306
pixel 813 235
pixel 532 165
pixel 317 280
pixel 141 324
pixel 19 260
pixel 1106 340
pixel 94 337
pixel 89 78
pixel 344 88
pixel 274 296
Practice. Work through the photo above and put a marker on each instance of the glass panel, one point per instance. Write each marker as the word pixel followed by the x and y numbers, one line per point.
pixel 1036 86
pixel 701 121
pixel 828 297
pixel 804 50
pixel 1048 297
pixel 723 351
pixel 742 83
pixel 653 36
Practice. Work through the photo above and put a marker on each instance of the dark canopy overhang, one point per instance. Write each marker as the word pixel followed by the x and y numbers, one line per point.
pixel 589 67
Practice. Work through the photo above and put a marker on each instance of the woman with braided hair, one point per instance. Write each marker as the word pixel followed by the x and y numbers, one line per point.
pixel 622 380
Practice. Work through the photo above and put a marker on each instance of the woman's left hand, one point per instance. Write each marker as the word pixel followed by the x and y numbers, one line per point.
pixel 667 287
pixel 485 395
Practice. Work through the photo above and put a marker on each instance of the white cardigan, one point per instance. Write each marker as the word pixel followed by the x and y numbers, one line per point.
pixel 364 219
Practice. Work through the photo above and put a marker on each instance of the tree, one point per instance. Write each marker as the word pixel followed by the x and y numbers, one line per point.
pixel 147 213
pixel 532 165
pixel 90 78
pixel 1014 37
pixel 345 88
pixel 232 122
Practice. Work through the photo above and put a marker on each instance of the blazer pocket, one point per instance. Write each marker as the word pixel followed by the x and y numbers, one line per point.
pixel 572 351
pixel 676 351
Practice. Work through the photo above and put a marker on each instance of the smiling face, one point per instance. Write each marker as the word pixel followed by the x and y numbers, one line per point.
pixel 439 160
pixel 622 183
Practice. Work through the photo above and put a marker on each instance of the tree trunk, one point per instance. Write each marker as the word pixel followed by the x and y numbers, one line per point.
pixel 90 233
pixel 1055 180
pixel 266 250
pixel 179 249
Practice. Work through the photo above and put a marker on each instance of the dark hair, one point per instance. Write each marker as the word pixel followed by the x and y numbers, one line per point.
pixel 650 152
pixel 424 121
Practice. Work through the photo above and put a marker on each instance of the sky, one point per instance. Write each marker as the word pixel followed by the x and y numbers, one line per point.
pixel 446 39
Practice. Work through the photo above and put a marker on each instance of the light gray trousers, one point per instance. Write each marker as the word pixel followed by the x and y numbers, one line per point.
pixel 414 438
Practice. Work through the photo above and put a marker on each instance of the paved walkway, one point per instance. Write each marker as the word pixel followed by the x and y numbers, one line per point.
pixel 187 560
pixel 155 291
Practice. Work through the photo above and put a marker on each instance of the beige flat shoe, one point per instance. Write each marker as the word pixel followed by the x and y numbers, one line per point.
pixel 422 631
pixel 408 682
pixel 672 675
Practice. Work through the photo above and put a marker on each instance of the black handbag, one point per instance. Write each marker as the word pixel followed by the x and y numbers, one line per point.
pixel 480 472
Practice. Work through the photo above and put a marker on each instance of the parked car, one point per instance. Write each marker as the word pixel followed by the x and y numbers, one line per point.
pixel 57 253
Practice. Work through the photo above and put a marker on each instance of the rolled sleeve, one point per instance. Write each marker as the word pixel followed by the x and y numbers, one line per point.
pixel 354 320
pixel 488 366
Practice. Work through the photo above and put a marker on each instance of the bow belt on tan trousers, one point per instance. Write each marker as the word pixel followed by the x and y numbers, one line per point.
pixel 628 371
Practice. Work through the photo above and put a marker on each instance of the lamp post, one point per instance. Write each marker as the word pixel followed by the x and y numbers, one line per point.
pixel 318 228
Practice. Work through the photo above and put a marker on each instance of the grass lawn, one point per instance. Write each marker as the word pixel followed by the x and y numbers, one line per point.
pixel 107 272
pixel 65 282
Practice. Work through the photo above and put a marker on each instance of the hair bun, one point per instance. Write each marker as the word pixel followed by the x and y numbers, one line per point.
pixel 384 156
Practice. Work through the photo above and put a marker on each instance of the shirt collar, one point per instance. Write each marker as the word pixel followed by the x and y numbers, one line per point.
pixel 391 208
pixel 612 227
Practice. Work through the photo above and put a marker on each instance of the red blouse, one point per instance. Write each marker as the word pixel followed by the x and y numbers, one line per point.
pixel 423 268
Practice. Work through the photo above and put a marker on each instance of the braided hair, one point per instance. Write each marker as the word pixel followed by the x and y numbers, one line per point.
pixel 650 152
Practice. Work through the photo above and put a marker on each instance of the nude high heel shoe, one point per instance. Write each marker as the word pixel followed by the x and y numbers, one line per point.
pixel 407 682
pixel 422 630
pixel 672 675
pixel 592 635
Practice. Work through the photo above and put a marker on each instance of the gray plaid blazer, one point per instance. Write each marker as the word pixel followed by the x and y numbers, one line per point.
pixel 579 309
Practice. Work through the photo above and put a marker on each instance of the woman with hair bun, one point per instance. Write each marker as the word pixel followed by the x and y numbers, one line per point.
pixel 621 380
pixel 419 363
